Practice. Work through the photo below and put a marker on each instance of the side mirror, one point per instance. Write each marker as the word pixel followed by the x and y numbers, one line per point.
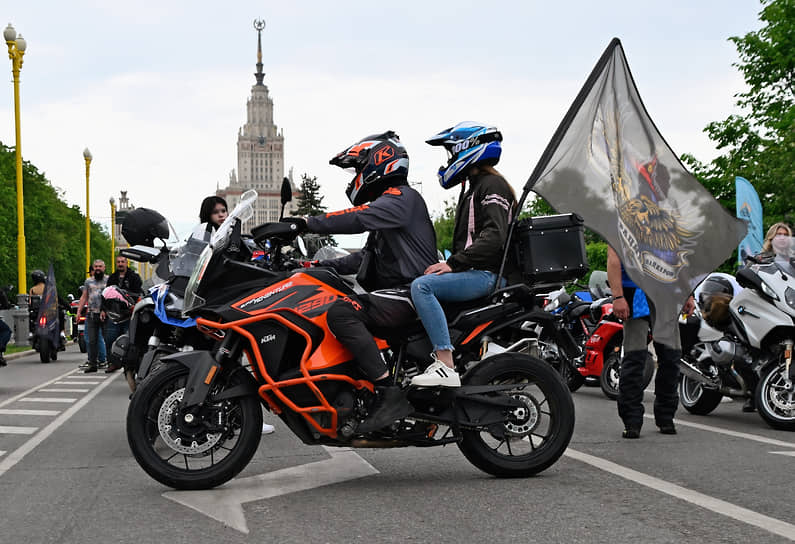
pixel 287 191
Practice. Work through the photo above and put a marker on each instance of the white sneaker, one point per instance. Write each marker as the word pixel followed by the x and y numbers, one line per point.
pixel 437 373
pixel 267 429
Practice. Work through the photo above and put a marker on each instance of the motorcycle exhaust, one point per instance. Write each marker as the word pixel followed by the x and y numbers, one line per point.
pixel 695 374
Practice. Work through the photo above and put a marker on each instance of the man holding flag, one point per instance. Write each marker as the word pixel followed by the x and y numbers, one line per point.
pixel 608 163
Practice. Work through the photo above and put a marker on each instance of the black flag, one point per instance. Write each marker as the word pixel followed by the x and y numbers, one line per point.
pixel 608 162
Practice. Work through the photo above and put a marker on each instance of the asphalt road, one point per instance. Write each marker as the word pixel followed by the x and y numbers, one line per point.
pixel 67 475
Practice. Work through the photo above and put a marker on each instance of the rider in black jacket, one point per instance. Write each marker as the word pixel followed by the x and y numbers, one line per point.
pixel 401 245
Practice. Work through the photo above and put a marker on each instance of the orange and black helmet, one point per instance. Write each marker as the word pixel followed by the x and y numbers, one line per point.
pixel 378 162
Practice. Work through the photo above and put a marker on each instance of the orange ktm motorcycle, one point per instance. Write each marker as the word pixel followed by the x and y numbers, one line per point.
pixel 196 422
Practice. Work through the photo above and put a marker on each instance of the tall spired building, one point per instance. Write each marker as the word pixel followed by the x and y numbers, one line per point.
pixel 260 153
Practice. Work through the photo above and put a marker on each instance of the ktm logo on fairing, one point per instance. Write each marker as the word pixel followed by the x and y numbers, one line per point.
pixel 383 154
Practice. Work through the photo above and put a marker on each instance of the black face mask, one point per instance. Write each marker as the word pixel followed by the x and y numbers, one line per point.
pixel 98 275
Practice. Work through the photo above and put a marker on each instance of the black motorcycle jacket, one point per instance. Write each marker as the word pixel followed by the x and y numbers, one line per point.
pixel 401 244
pixel 483 215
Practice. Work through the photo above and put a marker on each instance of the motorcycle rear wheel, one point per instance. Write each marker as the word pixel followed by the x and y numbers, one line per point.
pixel 697 399
pixel 81 342
pixel 774 402
pixel 530 444
pixel 154 435
pixel 44 351
pixel 608 379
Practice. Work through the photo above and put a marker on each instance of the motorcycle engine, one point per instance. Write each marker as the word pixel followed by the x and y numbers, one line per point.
pixel 726 352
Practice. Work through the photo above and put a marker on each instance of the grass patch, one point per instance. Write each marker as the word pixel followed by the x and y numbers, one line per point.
pixel 13 348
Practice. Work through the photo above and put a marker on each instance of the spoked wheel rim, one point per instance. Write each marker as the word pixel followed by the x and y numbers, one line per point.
pixel 613 371
pixel 190 446
pixel 778 398
pixel 528 428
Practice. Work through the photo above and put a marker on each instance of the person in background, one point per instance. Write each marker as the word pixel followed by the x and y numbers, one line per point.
pixel 131 282
pixel 92 299
pixel 5 336
pixel 631 305
pixel 482 217
pixel 777 240
pixel 212 213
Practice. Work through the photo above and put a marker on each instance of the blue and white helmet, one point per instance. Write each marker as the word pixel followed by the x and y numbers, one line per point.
pixel 467 144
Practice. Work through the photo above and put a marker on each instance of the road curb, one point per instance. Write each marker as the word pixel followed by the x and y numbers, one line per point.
pixel 19 354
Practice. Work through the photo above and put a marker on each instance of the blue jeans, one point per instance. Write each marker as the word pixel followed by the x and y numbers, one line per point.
pixel 113 331
pixel 427 293
pixel 95 343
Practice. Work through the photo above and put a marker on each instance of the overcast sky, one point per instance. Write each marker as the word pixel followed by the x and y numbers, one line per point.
pixel 157 90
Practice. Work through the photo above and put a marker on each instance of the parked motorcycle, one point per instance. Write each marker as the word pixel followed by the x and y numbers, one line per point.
pixel 157 327
pixel 749 338
pixel 195 423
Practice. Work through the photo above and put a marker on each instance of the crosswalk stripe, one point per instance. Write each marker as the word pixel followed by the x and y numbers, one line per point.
pixel 17 430
pixel 77 383
pixel 10 412
pixel 64 390
pixel 44 399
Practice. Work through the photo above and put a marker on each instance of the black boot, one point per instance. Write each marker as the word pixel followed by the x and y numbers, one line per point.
pixel 390 405
pixel 750 405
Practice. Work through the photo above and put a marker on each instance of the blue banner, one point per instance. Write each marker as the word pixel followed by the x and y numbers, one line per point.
pixel 749 209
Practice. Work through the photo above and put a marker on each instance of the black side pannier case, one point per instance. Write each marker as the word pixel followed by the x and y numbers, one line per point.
pixel 550 248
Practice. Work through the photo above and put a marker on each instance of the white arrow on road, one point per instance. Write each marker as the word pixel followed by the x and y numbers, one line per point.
pixel 225 503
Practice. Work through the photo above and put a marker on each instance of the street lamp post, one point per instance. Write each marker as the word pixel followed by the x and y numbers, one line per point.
pixel 16 50
pixel 112 234
pixel 87 157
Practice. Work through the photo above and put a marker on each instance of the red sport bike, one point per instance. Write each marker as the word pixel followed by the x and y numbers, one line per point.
pixel 196 422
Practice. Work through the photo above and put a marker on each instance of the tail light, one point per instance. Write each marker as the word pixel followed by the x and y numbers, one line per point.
pixel 43 321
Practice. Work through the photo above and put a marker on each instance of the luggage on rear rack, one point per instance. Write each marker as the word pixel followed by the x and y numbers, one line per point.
pixel 550 249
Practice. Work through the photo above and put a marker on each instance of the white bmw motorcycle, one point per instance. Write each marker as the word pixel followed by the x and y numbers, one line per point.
pixel 758 334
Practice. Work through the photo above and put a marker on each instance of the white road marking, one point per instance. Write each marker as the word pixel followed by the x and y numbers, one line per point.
pixel 17 430
pixel 789 453
pixel 225 504
pixel 33 389
pixel 736 434
pixel 738 513
pixel 18 454
pixel 9 412
pixel 45 399
pixel 2 452
pixel 63 390
pixel 77 383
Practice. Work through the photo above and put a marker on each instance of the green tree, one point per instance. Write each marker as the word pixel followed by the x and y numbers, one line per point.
pixel 759 144
pixel 444 225
pixel 310 202
pixel 54 231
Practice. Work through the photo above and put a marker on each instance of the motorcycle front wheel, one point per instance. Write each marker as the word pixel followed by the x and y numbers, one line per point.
pixel 775 398
pixel 212 449
pixel 532 438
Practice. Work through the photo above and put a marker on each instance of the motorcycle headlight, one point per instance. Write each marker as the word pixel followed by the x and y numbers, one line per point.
pixel 192 300
pixel 789 296
pixel 766 289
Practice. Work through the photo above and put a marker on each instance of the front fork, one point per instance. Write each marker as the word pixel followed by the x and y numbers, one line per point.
pixel 789 370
